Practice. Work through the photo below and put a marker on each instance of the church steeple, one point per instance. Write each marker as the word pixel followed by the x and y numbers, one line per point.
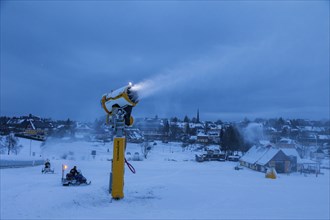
pixel 198 115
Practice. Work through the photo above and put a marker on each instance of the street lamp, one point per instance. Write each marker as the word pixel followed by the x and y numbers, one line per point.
pixel 64 167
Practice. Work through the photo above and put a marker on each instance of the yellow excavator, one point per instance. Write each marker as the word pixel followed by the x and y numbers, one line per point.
pixel 118 105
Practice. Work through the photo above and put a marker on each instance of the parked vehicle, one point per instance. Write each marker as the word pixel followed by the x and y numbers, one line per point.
pixel 210 156
pixel 233 158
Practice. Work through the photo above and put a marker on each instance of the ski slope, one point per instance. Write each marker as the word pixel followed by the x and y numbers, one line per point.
pixel 167 185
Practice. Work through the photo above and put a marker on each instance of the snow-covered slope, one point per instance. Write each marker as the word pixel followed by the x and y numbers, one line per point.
pixel 167 185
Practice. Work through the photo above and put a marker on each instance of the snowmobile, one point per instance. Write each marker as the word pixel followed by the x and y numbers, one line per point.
pixel 47 170
pixel 75 180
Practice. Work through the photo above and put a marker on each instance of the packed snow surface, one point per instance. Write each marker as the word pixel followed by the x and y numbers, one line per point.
pixel 169 184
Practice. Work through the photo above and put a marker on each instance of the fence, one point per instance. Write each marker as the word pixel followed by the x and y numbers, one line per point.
pixel 20 163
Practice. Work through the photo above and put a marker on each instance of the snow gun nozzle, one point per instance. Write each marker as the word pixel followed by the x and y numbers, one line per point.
pixel 132 94
pixel 124 98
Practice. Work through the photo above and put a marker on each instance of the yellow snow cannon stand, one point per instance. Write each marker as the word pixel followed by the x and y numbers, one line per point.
pixel 118 105
pixel 118 165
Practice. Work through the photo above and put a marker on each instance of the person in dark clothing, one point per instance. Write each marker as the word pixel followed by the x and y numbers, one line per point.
pixel 47 168
pixel 74 171
pixel 47 164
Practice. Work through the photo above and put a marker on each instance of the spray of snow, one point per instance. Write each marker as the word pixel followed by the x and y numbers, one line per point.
pixel 216 66
pixel 186 74
pixel 156 84
pixel 253 132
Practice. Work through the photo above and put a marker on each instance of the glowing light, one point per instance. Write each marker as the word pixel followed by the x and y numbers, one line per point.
pixel 65 167
pixel 130 83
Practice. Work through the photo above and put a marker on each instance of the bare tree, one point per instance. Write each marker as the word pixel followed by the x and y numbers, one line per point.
pixel 11 143
pixel 3 147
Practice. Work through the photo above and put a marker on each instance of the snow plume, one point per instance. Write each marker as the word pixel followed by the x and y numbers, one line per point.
pixel 157 84
pixel 220 64
pixel 253 132
pixel 187 74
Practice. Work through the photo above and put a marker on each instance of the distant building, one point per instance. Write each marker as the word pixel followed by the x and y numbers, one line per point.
pixel 151 128
pixel 283 159
pixel 30 126
pixel 318 154
pixel 286 143
pixel 134 135
pixel 83 130
pixel 202 138
pixel 261 158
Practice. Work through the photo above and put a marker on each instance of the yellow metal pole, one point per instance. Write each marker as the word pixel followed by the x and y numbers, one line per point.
pixel 118 164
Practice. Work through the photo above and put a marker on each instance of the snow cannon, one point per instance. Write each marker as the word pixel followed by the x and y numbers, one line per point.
pixel 118 105
pixel 121 100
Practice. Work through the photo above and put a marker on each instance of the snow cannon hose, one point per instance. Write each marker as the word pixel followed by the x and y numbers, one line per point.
pixel 130 166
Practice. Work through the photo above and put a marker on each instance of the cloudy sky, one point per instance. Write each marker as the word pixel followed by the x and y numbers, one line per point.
pixel 229 59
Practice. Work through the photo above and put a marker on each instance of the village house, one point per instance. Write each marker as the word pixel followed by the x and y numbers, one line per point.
pixel 261 158
pixel 134 135
pixel 210 137
pixel 318 154
pixel 286 143
pixel 284 159
pixel 151 128
pixel 202 138
pixel 83 130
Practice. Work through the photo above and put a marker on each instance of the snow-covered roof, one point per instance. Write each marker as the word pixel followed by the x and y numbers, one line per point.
pixel 213 133
pixel 269 154
pixel 198 125
pixel 193 137
pixel 308 161
pixel 311 128
pixel 82 126
pixel 260 155
pixel 286 141
pixel 253 154
pixel 270 129
pixel 324 137
pixel 213 147
pixel 201 134
pixel 136 134
pixel 264 142
pixel 32 125
pixel 292 152
pixel 15 121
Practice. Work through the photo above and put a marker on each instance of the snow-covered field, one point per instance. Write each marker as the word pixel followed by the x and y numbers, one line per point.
pixel 167 185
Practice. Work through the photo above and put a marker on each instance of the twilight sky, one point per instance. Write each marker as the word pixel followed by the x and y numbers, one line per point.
pixel 229 59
